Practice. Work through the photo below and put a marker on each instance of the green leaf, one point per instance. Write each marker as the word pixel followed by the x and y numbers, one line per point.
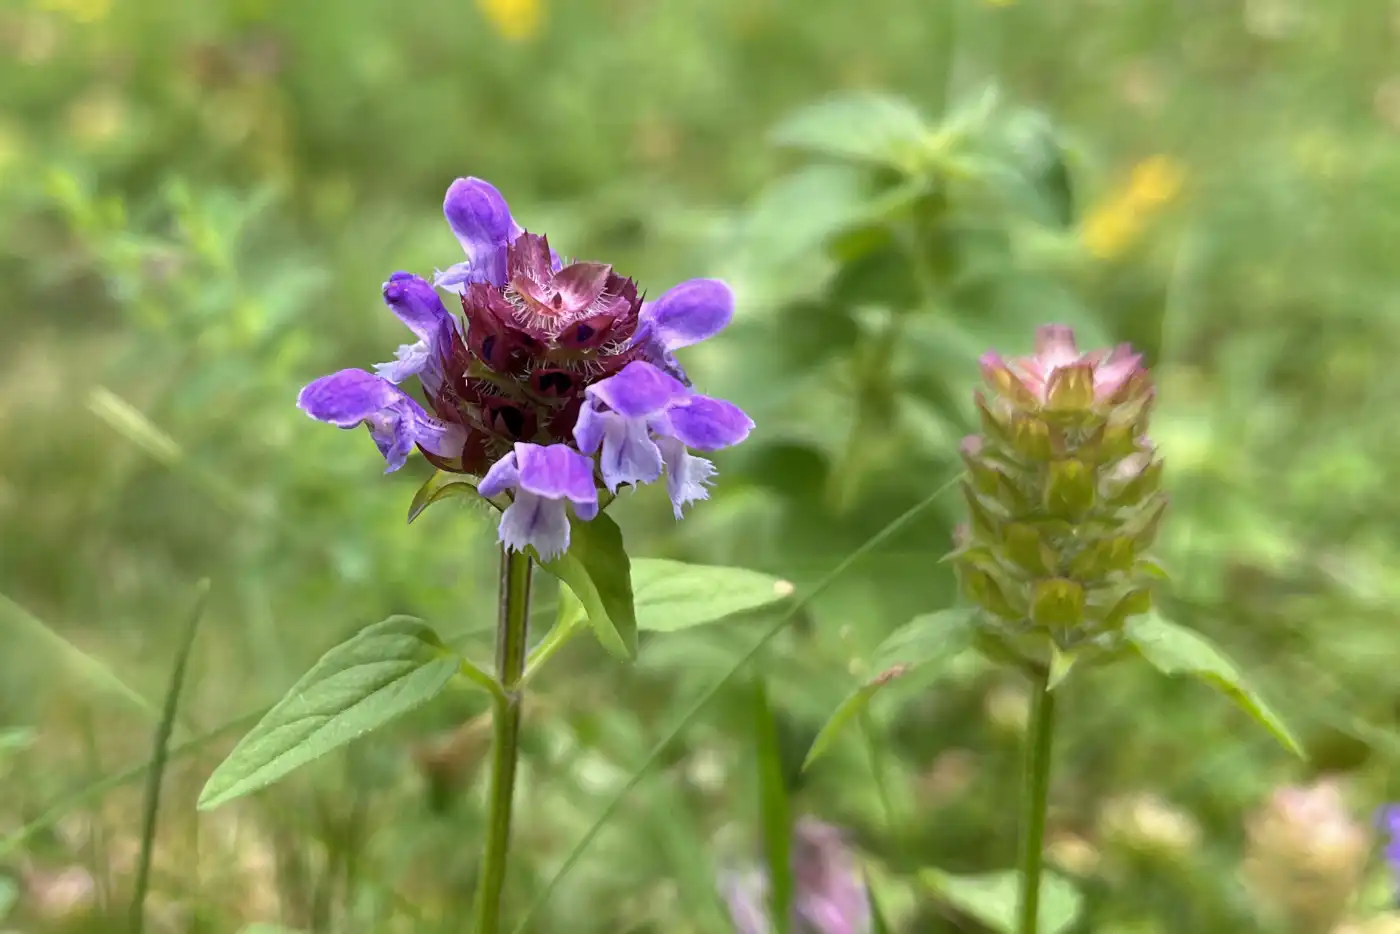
pixel 437 487
pixel 1041 160
pixel 798 212
pixel 380 673
pixel 1061 663
pixel 1176 650
pixel 671 595
pixel 859 126
pixel 894 899
pixel 775 812
pixel 990 899
pixel 597 570
pixel 878 922
pixel 934 639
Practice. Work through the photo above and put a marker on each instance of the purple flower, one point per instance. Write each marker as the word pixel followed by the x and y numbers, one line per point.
pixel 544 479
pixel 481 221
pixel 686 314
pixel 549 364
pixel 418 306
pixel 1389 821
pixel 351 398
pixel 829 895
pixel 643 419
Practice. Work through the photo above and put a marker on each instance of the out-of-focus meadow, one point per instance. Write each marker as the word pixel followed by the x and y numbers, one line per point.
pixel 198 203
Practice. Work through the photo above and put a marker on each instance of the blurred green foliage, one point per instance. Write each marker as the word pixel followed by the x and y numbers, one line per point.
pixel 197 206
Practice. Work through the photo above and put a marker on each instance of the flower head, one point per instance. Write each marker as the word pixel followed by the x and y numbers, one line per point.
pixel 1057 375
pixel 1062 495
pixel 549 364
pixel 829 895
pixel 1306 853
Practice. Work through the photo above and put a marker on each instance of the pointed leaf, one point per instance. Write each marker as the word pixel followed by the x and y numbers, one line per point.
pixel 597 570
pixel 672 595
pixel 380 673
pixel 1061 662
pixel 991 898
pixel 859 126
pixel 878 923
pixel 437 487
pixel 932 640
pixel 798 212
pixel 894 899
pixel 1176 650
pixel 775 812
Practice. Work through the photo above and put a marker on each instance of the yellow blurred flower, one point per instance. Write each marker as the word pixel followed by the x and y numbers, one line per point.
pixel 1110 229
pixel 513 20
pixel 1117 222
pixel 1156 180
pixel 80 11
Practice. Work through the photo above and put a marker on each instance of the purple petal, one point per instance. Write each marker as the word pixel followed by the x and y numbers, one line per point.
pixel 347 398
pixel 502 476
pixel 478 214
pixel 746 896
pixel 687 476
pixel 409 360
pixel 416 303
pixel 480 218
pixel 707 424
pixel 589 427
pixel 689 313
pixel 556 471
pixel 455 277
pixel 536 522
pixel 629 454
pixel 396 422
pixel 638 390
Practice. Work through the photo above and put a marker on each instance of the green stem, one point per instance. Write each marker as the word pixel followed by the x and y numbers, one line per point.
pixel 511 643
pixel 1036 794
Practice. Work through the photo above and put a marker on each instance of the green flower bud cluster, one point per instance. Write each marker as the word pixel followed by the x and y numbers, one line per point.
pixel 1063 497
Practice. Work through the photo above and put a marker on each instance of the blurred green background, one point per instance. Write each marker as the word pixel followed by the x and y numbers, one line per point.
pixel 198 203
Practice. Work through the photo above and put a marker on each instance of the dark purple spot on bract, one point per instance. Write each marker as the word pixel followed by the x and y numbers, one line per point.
pixel 583 332
pixel 512 420
pixel 553 383
pixel 488 346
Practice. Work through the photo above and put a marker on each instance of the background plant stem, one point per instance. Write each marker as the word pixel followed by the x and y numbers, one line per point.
pixel 1035 795
pixel 511 637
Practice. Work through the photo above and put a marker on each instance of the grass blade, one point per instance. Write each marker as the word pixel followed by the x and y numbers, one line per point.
pixel 81 661
pixel 774 812
pixel 151 806
pixel 689 717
